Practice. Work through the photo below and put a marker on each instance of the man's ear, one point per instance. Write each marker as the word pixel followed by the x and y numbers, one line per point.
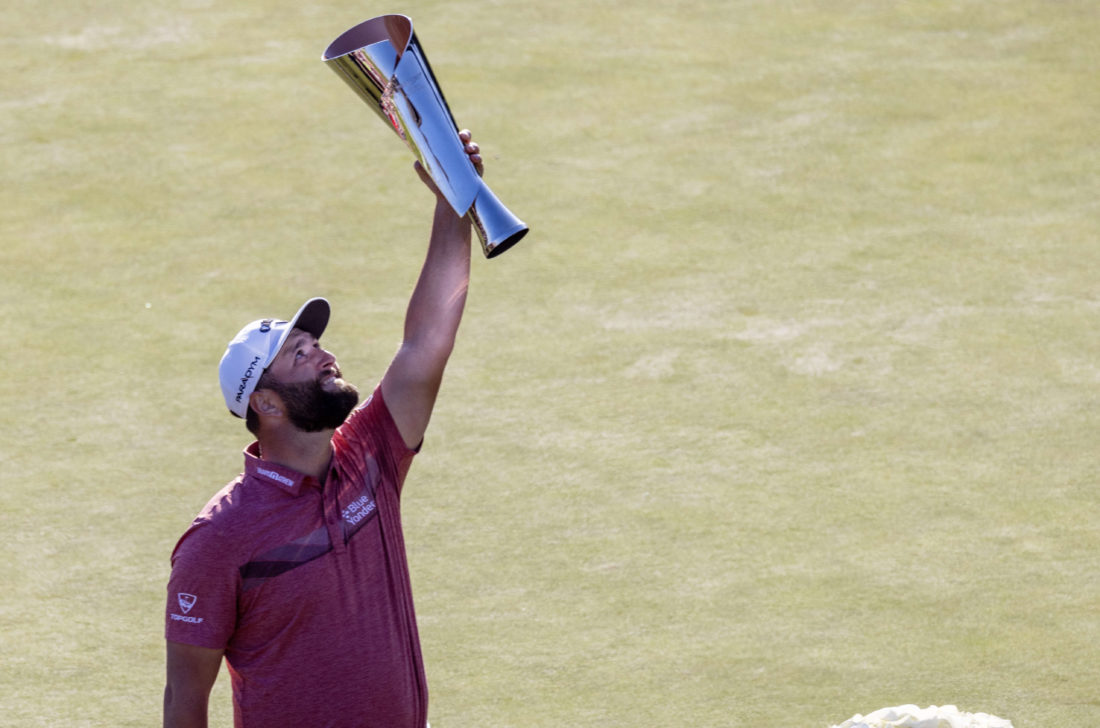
pixel 266 402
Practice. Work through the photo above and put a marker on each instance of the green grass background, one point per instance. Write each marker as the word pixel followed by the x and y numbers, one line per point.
pixel 786 409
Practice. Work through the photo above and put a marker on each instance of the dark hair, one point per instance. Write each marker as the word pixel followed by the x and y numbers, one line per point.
pixel 251 419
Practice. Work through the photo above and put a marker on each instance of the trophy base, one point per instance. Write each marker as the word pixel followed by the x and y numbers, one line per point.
pixel 508 242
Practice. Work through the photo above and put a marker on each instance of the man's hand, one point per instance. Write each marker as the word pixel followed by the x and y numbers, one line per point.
pixel 473 151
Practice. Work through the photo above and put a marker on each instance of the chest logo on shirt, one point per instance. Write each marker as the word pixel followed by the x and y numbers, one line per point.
pixel 186 601
pixel 315 544
pixel 360 508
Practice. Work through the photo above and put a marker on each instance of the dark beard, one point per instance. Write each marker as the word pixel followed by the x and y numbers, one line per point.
pixel 311 409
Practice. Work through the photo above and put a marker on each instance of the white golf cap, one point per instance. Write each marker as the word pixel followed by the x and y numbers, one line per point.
pixel 253 348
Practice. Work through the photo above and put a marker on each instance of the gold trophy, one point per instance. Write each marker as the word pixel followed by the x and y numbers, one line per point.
pixel 383 62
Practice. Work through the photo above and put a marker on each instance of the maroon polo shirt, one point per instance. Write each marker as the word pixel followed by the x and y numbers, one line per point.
pixel 307 589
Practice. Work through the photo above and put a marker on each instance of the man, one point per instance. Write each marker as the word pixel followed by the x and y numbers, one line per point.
pixel 295 572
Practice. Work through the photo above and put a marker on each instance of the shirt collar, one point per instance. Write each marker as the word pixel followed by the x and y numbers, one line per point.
pixel 282 477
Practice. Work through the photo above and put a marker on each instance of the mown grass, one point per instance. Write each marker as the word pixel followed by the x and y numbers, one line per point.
pixel 785 410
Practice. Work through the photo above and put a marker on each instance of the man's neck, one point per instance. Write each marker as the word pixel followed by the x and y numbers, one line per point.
pixel 310 453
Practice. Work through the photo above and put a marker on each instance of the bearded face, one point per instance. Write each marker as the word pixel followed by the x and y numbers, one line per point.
pixel 312 408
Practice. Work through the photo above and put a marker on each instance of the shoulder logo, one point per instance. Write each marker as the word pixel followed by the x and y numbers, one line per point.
pixel 186 601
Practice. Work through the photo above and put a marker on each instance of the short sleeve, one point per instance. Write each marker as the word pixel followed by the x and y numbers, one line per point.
pixel 370 431
pixel 202 590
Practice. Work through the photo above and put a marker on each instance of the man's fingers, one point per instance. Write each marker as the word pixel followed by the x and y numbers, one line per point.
pixel 472 149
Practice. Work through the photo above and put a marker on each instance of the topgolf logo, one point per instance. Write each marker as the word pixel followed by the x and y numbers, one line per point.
pixel 186 601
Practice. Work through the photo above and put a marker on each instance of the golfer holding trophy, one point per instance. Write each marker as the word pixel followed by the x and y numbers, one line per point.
pixel 295 573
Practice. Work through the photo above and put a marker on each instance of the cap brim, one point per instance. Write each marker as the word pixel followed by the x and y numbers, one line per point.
pixel 312 317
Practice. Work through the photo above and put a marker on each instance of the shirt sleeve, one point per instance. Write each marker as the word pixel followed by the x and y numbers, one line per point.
pixel 370 431
pixel 202 590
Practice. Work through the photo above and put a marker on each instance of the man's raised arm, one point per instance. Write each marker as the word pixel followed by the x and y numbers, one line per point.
pixel 412 382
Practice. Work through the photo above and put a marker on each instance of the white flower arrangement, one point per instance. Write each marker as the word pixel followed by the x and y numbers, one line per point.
pixel 910 716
